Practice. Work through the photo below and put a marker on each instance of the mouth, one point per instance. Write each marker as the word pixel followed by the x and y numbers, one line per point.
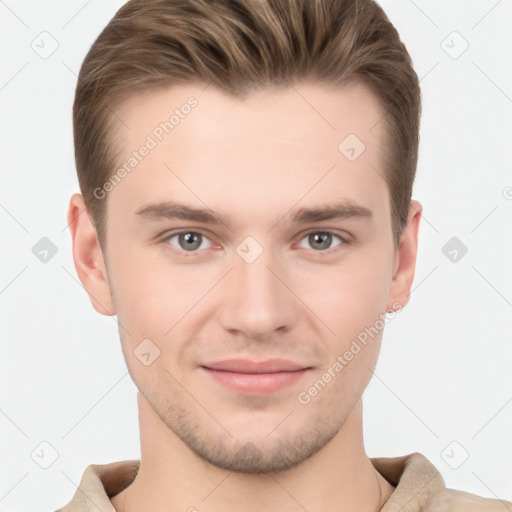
pixel 252 377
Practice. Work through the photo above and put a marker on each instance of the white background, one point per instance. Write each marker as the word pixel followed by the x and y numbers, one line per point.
pixel 444 372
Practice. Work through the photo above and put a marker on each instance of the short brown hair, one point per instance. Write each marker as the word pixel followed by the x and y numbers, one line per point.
pixel 239 45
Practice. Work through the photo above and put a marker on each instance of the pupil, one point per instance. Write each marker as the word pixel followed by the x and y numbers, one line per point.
pixel 325 236
pixel 191 240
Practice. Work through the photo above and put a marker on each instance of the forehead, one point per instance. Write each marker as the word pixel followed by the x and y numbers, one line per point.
pixel 294 114
pixel 275 147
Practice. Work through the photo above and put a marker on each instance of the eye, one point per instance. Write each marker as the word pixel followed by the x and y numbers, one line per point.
pixel 188 241
pixel 192 241
pixel 322 240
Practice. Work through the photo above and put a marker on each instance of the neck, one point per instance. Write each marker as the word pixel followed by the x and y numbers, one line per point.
pixel 171 477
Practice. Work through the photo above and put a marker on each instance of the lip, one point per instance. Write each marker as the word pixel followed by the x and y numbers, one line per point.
pixel 252 377
pixel 248 366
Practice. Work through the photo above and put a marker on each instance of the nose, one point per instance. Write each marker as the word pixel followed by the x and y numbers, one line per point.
pixel 259 298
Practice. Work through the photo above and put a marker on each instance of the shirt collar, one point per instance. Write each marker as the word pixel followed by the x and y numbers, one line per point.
pixel 416 480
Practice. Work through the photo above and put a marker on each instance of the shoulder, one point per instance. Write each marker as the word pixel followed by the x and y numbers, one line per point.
pixel 452 500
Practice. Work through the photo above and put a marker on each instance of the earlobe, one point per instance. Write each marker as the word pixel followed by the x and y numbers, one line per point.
pixel 405 265
pixel 88 257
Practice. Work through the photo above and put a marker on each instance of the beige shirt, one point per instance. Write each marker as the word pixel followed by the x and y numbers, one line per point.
pixel 419 487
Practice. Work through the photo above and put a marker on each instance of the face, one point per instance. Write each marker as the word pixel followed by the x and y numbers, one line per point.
pixel 291 258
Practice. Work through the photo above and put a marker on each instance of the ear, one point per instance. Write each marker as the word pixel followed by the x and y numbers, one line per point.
pixel 405 264
pixel 88 258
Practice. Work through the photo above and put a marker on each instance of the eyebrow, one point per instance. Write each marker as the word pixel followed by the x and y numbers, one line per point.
pixel 173 210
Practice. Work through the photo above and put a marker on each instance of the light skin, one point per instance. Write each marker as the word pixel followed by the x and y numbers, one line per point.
pixel 305 298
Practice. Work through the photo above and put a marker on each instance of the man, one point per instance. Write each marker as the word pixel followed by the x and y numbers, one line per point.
pixel 246 169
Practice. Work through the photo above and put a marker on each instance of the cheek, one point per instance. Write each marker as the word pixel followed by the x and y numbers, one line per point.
pixel 350 296
pixel 158 299
pixel 152 292
pixel 146 295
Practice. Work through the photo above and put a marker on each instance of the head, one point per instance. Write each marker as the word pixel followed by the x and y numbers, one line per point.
pixel 266 116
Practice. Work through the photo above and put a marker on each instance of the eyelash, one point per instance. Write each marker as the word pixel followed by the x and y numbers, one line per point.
pixel 344 239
